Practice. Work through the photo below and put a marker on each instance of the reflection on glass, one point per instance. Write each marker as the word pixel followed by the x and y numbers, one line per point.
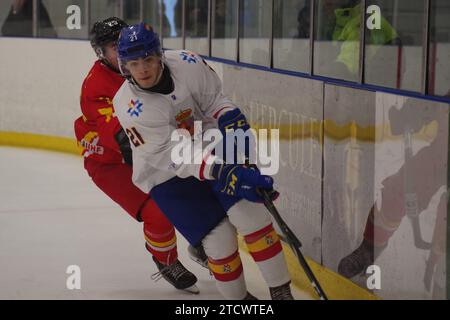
pixel 416 190
pixel 5 11
pixel 67 19
pixel 393 55
pixel 152 11
pixel 336 38
pixel 406 222
pixel 197 26
pixel 224 29
pixel 291 35
pixel 19 19
pixel 256 17
pixel 131 14
pixel 439 66
pixel 173 9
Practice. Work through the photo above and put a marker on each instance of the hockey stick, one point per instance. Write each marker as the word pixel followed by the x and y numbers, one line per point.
pixel 293 242
pixel 289 237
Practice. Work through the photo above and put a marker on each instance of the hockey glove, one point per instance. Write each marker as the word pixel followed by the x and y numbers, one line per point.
pixel 233 120
pixel 124 146
pixel 243 182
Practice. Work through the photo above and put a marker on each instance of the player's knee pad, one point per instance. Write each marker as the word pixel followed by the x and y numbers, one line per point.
pixel 248 217
pixel 221 242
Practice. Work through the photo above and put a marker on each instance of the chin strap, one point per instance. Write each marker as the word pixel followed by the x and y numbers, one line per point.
pixel 160 73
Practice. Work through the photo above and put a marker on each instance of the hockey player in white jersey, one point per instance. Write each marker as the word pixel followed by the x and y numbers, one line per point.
pixel 208 201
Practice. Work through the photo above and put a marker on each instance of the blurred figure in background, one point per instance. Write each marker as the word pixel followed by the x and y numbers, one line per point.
pixel 19 22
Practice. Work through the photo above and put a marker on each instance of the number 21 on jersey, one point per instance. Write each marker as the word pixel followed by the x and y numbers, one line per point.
pixel 134 136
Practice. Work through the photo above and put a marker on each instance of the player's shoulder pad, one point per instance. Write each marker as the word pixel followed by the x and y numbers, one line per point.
pixel 122 95
pixel 184 59
pixel 98 82
pixel 188 65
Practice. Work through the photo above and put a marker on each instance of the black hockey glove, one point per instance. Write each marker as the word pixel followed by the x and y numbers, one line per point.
pixel 124 145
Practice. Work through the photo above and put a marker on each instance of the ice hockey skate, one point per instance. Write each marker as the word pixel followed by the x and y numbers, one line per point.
pixel 282 292
pixel 249 296
pixel 177 275
pixel 198 255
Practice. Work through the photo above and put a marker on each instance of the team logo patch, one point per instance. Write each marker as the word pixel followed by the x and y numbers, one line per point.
pixel 269 240
pixel 226 268
pixel 188 57
pixel 135 108
pixel 89 144
pixel 185 120
pixel 112 23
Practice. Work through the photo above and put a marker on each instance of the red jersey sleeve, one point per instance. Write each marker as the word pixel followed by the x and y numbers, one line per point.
pixel 97 94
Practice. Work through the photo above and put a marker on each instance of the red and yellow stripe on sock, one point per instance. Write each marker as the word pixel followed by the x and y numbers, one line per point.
pixel 163 248
pixel 227 269
pixel 263 244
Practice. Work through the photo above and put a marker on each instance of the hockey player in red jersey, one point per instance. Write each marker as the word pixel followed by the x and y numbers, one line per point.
pixel 107 155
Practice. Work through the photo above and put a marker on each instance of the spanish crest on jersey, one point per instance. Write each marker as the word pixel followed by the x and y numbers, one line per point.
pixel 185 120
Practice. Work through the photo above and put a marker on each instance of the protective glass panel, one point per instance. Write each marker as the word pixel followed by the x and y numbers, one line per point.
pixel 291 43
pixel 173 10
pixel 197 26
pixel 224 29
pixel 336 39
pixel 439 66
pixel 394 43
pixel 254 44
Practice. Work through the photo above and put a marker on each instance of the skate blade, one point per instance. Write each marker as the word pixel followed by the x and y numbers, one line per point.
pixel 192 289
pixel 200 262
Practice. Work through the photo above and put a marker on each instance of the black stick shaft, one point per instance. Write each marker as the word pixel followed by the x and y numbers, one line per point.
pixel 295 244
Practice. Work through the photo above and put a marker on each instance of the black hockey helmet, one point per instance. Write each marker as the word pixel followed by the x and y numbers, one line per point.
pixel 104 32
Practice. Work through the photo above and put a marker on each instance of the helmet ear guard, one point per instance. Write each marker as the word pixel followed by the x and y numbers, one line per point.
pixel 99 52
pixel 104 32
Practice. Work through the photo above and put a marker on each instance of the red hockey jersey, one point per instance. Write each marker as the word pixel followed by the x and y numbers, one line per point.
pixel 95 130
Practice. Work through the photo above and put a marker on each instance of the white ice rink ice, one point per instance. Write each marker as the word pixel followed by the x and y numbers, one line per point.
pixel 52 216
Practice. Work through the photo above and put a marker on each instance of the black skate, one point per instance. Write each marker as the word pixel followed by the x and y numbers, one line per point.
pixel 359 260
pixel 177 275
pixel 282 292
pixel 249 296
pixel 198 255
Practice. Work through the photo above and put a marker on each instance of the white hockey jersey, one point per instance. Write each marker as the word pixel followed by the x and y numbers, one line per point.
pixel 150 118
